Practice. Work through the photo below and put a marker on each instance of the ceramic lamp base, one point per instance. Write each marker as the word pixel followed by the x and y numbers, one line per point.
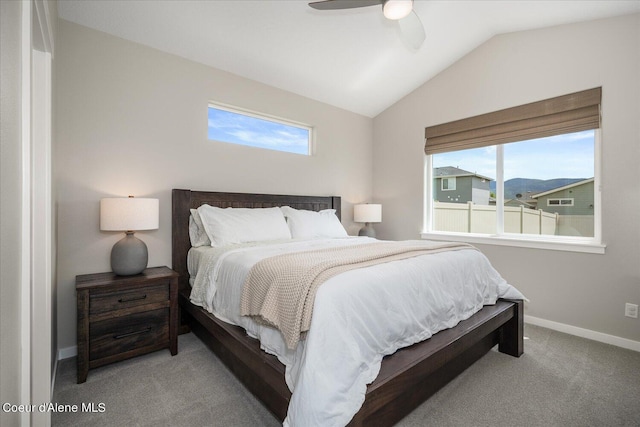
pixel 367 230
pixel 129 256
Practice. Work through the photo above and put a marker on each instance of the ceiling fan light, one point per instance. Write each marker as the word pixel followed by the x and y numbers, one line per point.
pixel 397 9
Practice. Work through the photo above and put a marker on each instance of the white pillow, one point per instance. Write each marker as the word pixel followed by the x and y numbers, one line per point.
pixel 197 233
pixel 313 225
pixel 240 225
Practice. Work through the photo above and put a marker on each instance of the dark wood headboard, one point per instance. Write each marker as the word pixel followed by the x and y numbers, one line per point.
pixel 184 200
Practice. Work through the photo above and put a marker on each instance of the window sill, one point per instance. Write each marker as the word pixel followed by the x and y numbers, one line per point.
pixel 567 245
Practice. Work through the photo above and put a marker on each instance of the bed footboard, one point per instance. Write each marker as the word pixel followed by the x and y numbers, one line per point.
pixel 407 378
pixel 411 375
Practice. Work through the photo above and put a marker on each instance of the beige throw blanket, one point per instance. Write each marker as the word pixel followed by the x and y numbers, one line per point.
pixel 280 291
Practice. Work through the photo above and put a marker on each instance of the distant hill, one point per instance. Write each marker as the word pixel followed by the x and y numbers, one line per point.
pixel 524 185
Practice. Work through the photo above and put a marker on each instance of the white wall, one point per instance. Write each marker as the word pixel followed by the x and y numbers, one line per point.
pixel 26 240
pixel 10 222
pixel 133 120
pixel 582 290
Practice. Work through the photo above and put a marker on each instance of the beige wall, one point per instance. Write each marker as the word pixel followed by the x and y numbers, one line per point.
pixel 133 120
pixel 10 222
pixel 582 290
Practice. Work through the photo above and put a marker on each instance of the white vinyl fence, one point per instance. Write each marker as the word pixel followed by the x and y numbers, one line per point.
pixel 471 218
pixel 575 225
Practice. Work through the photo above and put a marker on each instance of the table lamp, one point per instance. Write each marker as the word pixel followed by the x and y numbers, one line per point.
pixel 368 214
pixel 129 256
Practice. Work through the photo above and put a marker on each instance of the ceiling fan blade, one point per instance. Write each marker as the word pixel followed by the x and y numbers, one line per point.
pixel 412 30
pixel 343 4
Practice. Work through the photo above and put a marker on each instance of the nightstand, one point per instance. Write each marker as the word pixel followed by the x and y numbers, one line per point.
pixel 125 316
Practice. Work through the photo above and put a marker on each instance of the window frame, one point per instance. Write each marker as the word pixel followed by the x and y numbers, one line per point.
pixel 266 117
pixel 449 179
pixel 560 200
pixel 562 243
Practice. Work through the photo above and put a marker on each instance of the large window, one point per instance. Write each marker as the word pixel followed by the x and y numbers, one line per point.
pixel 516 187
pixel 235 126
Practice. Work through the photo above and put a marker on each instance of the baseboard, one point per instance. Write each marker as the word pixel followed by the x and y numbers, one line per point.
pixel 67 352
pixel 584 333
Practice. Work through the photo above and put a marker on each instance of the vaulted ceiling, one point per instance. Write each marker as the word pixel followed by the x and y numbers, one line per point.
pixel 353 59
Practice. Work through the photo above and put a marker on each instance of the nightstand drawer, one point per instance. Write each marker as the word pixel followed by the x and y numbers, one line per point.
pixel 121 334
pixel 109 301
pixel 125 316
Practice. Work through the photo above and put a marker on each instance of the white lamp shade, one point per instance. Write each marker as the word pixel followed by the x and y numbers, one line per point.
pixel 397 9
pixel 367 213
pixel 129 214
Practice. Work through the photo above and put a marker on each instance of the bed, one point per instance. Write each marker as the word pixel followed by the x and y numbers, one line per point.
pixel 406 378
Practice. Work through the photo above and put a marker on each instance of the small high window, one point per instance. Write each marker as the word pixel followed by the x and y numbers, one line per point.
pixel 235 126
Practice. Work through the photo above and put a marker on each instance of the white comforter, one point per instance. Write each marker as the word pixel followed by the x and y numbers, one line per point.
pixel 358 316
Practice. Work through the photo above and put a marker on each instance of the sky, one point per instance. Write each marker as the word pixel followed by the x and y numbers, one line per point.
pixel 563 156
pixel 235 128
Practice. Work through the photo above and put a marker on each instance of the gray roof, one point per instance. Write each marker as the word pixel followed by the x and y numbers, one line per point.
pixel 564 187
pixel 450 171
pixel 519 202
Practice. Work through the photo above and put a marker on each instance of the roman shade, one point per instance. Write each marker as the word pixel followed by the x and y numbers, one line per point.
pixel 564 114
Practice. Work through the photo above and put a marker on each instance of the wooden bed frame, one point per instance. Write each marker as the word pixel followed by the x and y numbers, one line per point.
pixel 406 379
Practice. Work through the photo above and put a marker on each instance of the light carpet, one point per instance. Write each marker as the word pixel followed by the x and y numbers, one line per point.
pixel 561 380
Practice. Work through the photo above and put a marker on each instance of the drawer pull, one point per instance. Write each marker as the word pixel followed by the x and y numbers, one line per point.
pixel 133 299
pixel 143 331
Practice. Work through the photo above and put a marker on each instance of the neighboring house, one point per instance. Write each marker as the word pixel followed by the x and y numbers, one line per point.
pixel 456 185
pixel 573 199
pixel 516 203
